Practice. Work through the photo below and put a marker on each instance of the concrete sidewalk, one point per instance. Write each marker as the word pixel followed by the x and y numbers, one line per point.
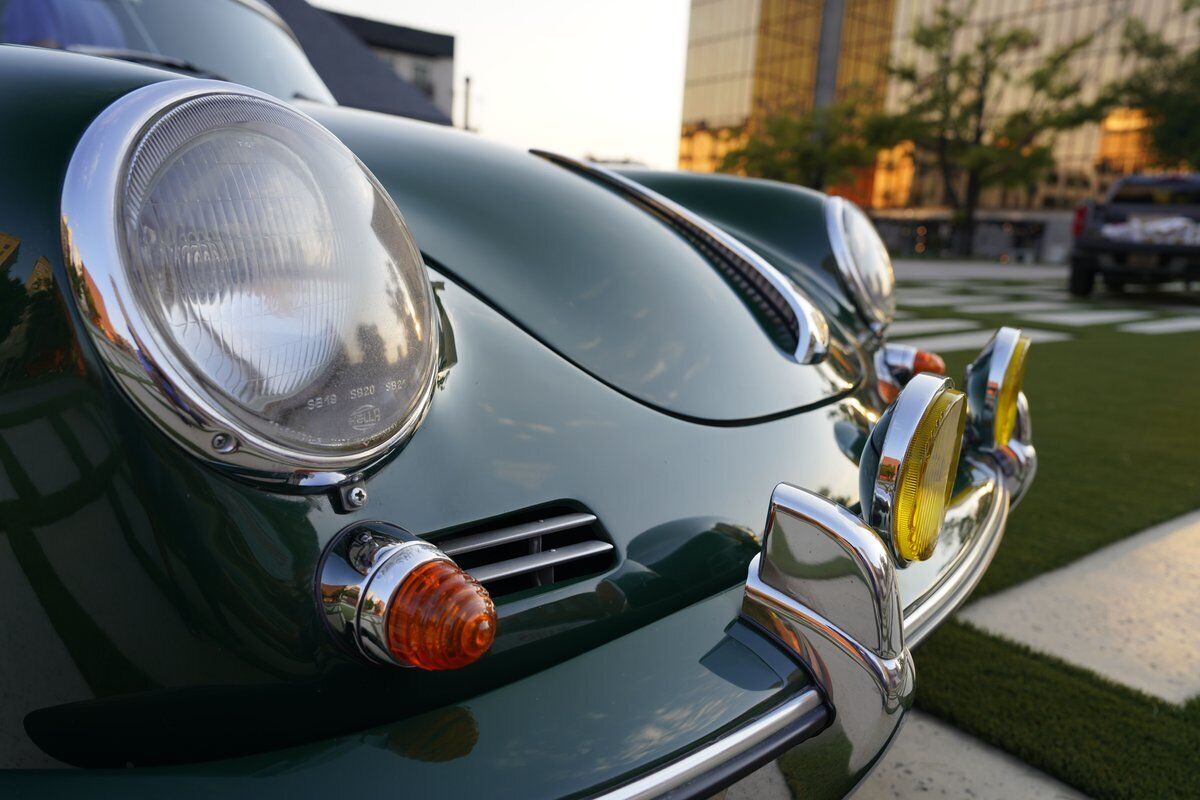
pixel 929 759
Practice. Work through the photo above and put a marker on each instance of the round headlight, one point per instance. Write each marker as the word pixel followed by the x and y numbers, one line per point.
pixel 909 465
pixel 251 284
pixel 863 261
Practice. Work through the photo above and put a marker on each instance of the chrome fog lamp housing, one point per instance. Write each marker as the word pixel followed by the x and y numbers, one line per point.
pixel 993 383
pixel 863 262
pixel 248 283
pixel 909 465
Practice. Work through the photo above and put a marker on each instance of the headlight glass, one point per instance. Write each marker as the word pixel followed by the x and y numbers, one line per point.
pixel 266 302
pixel 278 273
pixel 863 261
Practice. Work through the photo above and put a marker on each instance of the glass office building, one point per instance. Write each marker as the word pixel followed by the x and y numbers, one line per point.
pixel 748 59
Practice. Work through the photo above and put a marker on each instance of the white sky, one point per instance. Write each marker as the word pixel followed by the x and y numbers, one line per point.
pixel 581 77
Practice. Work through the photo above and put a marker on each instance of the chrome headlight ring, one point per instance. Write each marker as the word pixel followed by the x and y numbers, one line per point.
pixel 993 386
pixel 892 467
pixel 138 281
pixel 863 262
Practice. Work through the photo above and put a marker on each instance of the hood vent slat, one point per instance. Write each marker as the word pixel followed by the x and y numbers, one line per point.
pixel 531 553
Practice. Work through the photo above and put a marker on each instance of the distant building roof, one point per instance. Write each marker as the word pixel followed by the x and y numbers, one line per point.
pixel 355 75
pixel 398 37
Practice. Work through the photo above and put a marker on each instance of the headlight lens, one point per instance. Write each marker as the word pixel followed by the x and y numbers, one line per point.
pixel 267 286
pixel 863 261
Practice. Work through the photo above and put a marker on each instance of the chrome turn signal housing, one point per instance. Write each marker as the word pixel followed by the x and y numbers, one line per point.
pixel 897 364
pixel 393 598
pixel 993 384
pixel 909 465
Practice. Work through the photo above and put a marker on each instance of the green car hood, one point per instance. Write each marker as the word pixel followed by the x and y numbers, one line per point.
pixel 600 281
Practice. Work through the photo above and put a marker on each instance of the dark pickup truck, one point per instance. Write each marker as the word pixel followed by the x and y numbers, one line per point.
pixel 1146 231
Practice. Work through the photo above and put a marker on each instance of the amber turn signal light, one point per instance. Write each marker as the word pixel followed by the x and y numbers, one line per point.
pixel 926 361
pixel 440 618
pixel 393 598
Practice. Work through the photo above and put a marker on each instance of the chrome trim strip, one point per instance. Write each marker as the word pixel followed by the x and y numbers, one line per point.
pixel 537 561
pixel 742 740
pixel 514 533
pixel 129 345
pixel 812 329
pixel 835 226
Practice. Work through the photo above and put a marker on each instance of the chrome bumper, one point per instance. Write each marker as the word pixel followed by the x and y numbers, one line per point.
pixel 974 525
pixel 827 589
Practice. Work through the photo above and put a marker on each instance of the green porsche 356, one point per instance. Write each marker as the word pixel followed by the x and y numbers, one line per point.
pixel 341 453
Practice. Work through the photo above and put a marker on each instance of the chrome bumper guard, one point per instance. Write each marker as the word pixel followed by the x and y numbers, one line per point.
pixel 825 588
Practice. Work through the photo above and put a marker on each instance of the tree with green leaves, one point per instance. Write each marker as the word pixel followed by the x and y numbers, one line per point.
pixel 949 96
pixel 817 148
pixel 1164 84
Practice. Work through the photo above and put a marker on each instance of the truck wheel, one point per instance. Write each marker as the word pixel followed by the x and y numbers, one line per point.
pixel 1114 285
pixel 1083 278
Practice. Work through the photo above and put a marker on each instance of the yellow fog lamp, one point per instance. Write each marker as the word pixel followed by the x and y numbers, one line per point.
pixel 993 385
pixel 909 465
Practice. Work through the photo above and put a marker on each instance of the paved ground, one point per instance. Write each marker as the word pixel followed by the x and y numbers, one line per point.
pixel 934 297
pixel 929 759
pixel 1129 612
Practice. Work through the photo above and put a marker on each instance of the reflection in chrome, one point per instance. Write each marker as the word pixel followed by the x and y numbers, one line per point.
pixel 810 326
pixel 971 532
pixel 145 368
pixel 894 365
pixel 1017 460
pixel 906 413
pixel 825 587
pixel 743 740
pixel 357 576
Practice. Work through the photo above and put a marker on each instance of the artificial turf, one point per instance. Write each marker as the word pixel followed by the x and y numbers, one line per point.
pixel 1116 425
pixel 1105 740
pixel 1116 422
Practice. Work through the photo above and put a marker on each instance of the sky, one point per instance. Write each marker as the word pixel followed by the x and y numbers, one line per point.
pixel 599 78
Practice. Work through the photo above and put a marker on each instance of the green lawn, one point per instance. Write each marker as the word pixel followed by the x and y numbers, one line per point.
pixel 1116 420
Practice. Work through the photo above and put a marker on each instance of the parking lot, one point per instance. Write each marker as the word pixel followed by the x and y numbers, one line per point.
pixel 1071 671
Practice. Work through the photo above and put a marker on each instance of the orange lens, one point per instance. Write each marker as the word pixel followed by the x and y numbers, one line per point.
pixel 925 361
pixel 439 617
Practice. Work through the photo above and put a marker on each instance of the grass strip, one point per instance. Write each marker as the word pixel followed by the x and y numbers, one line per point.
pixel 1105 740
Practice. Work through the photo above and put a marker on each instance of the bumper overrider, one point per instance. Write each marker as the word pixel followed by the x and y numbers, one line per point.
pixel 826 588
